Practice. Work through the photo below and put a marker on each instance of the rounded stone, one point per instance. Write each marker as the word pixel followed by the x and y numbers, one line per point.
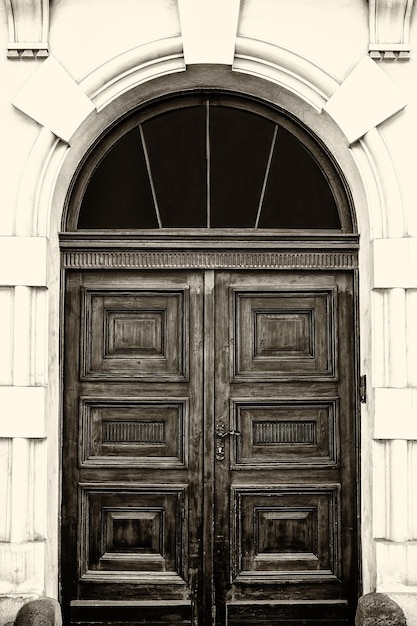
pixel 39 612
pixel 377 609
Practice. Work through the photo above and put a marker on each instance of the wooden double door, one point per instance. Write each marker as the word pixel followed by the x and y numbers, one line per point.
pixel 209 470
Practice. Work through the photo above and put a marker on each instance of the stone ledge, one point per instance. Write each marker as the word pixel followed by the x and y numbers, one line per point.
pixel 377 609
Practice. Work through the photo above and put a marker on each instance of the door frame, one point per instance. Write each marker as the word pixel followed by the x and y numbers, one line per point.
pixel 290 252
pixel 287 250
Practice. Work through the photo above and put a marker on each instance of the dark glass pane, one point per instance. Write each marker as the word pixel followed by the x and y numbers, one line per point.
pixel 239 148
pixel 119 193
pixel 297 194
pixel 177 153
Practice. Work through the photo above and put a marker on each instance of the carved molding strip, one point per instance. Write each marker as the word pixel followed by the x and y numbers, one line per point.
pixel 389 29
pixel 284 432
pixel 113 259
pixel 28 28
pixel 134 432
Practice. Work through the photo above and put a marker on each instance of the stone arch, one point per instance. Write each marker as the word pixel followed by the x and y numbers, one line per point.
pixel 305 90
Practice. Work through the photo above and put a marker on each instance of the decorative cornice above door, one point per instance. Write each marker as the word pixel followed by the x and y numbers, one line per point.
pixel 28 28
pixel 389 29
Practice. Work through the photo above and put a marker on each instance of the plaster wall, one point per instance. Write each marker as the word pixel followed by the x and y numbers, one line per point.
pixel 102 53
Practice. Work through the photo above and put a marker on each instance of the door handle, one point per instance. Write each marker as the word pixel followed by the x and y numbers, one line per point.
pixel 221 433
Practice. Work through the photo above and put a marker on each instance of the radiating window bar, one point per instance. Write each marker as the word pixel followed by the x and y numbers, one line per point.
pixel 268 167
pixel 148 167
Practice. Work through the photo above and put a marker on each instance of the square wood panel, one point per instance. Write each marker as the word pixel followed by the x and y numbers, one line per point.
pixel 284 334
pixel 134 334
pixel 286 532
pixel 133 530
pixel 286 432
pixel 133 432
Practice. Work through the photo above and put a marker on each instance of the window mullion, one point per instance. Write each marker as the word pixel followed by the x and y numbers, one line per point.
pixel 208 223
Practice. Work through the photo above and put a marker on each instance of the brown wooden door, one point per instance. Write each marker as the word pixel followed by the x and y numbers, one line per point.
pixel 132 454
pixel 209 469
pixel 285 478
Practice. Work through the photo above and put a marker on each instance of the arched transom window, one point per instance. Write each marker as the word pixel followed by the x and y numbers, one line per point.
pixel 209 161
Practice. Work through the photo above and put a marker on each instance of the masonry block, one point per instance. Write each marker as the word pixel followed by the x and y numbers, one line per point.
pixel 377 609
pixel 365 99
pixel 53 99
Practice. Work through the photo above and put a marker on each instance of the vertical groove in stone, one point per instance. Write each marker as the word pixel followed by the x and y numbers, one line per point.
pixel 397 367
pixel 5 488
pixel 6 344
pixel 411 336
pixel 398 502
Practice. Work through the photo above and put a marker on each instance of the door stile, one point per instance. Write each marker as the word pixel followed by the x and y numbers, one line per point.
pixel 196 452
pixel 208 609
pixel 222 425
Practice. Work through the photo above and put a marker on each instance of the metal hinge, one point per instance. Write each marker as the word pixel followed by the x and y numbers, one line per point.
pixel 362 389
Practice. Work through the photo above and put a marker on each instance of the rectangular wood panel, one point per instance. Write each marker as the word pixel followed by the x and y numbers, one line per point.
pixel 283 333
pixel 277 432
pixel 134 432
pixel 286 532
pixel 134 334
pixel 134 530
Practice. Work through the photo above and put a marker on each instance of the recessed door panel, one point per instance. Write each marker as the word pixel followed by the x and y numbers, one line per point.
pixel 278 431
pixel 286 533
pixel 134 531
pixel 128 431
pixel 283 333
pixel 134 334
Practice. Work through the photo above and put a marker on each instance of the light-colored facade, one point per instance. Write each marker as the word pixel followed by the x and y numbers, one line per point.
pixel 348 71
